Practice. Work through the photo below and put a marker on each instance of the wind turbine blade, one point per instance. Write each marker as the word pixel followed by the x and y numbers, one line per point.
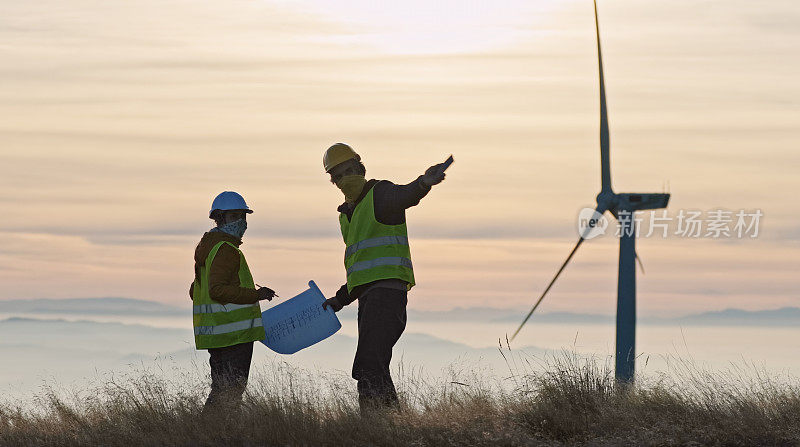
pixel 539 301
pixel 605 157
pixel 599 210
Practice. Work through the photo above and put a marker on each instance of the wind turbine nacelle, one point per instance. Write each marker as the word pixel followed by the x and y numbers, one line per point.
pixel 643 201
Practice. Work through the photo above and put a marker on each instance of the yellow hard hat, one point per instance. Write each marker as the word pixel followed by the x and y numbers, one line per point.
pixel 338 154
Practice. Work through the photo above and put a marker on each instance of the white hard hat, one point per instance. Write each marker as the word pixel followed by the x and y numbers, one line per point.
pixel 228 201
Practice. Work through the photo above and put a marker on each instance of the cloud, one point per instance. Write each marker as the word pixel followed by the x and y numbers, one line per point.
pixel 122 121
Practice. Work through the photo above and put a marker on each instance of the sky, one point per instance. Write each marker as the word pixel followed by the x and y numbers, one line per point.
pixel 122 120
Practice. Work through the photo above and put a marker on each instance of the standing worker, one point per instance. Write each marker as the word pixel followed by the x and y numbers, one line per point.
pixel 378 263
pixel 227 316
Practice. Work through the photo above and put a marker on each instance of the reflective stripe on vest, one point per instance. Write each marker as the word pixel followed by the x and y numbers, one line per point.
pixel 228 328
pixel 364 265
pixel 213 308
pixel 374 251
pixel 218 325
pixel 375 242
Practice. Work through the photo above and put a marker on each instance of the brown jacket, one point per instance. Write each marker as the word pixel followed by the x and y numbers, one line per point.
pixel 223 276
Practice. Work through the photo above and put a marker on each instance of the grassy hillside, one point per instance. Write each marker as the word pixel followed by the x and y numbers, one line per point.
pixel 572 401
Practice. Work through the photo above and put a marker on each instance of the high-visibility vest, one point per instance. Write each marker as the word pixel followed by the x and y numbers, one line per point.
pixel 218 325
pixel 374 251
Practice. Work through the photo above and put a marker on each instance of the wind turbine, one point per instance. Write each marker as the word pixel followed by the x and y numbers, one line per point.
pixel 619 205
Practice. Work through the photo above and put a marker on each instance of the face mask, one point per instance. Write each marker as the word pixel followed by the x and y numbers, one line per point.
pixel 235 229
pixel 351 186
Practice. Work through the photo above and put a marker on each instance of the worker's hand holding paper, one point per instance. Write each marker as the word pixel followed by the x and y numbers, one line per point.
pixel 299 322
pixel 333 303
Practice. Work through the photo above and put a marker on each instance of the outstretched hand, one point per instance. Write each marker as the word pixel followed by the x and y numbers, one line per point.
pixel 333 303
pixel 265 293
pixel 434 175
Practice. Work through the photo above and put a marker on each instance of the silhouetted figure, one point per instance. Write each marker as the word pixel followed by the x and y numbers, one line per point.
pixel 378 265
pixel 227 316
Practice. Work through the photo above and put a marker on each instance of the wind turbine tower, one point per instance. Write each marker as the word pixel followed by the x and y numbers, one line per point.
pixel 622 206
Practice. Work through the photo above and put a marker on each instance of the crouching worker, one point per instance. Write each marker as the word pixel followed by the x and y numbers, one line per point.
pixel 227 316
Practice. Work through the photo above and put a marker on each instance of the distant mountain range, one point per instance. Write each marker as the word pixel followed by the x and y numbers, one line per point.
pixel 70 353
pixel 787 316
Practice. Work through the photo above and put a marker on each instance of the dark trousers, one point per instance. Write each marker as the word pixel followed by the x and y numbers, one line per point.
pixel 381 321
pixel 230 368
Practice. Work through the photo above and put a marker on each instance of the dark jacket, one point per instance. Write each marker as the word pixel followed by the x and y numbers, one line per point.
pixel 391 202
pixel 223 276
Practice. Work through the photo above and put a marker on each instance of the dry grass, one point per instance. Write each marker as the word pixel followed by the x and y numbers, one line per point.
pixel 568 400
